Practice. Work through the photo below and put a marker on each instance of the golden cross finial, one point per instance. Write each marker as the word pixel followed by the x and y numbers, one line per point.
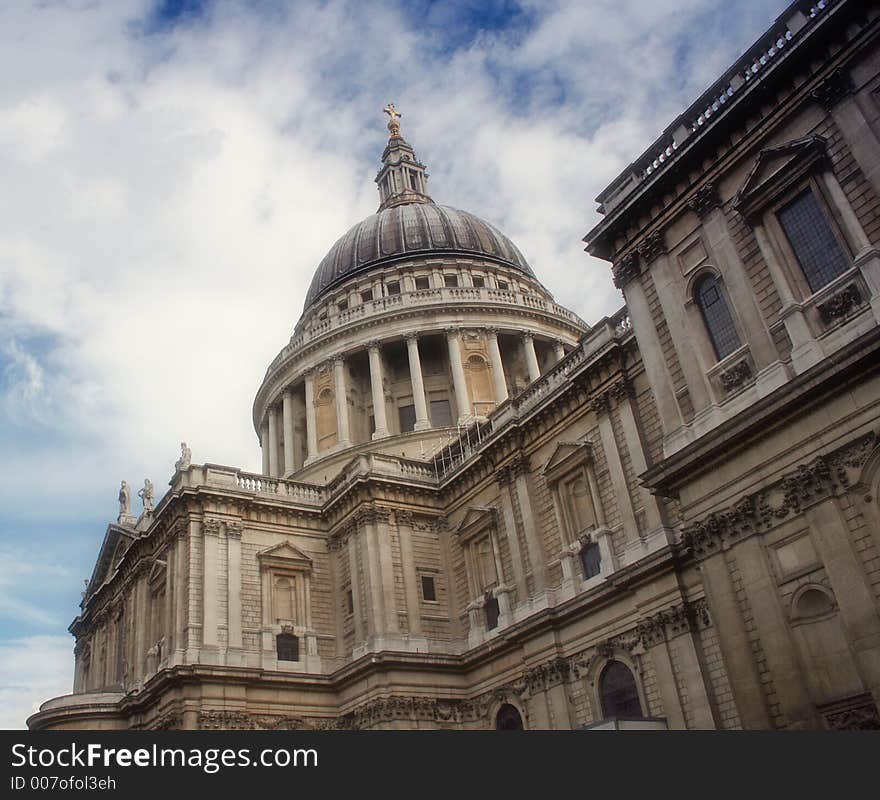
pixel 393 116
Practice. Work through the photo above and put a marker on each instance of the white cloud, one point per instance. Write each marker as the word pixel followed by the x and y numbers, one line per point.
pixel 33 669
pixel 167 197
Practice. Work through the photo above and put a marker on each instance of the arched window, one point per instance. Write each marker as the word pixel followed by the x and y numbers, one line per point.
pixel 508 719
pixel 618 692
pixel 716 316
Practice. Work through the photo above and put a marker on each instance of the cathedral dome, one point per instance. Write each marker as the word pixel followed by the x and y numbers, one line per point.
pixel 411 229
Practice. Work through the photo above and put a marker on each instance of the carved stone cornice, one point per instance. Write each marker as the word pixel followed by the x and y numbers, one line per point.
pixel 626 269
pixel 833 89
pixel 705 200
pixel 652 246
pixel 672 622
pixel 825 476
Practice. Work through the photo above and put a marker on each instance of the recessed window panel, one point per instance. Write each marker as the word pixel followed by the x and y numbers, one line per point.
pixel 429 590
pixel 816 247
pixel 716 316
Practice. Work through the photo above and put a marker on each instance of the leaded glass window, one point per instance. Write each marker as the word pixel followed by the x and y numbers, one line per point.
pixel 815 246
pixel 716 316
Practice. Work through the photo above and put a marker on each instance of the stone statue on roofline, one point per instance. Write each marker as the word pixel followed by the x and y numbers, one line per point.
pixel 124 500
pixel 146 495
pixel 185 459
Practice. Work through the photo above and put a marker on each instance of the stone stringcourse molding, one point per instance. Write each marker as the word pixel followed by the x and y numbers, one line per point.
pixel 841 305
pixel 626 269
pixel 661 626
pixel 739 374
pixel 826 476
pixel 833 89
pixel 705 200
pixel 652 246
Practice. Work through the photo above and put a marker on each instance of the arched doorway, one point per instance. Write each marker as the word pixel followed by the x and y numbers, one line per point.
pixel 508 719
pixel 618 692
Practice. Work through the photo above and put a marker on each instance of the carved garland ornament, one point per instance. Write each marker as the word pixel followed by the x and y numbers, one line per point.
pixel 823 477
pixel 841 305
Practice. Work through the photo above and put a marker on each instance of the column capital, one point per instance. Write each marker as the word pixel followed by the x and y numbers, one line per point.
pixel 452 331
pixel 339 358
pixel 491 332
pixel 527 335
pixel 411 336
pixel 375 344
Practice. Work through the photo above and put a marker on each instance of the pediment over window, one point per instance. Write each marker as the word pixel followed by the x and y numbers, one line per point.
pixel 566 456
pixel 476 519
pixel 285 555
pixel 775 170
pixel 116 542
pixel 157 572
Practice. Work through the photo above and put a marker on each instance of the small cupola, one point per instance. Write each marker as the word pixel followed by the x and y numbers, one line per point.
pixel 402 178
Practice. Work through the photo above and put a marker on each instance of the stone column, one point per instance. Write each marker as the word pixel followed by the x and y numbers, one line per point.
pixel 210 548
pixel 423 422
pixel 378 389
pixel 273 442
pixel 558 349
pixel 311 421
pixel 180 597
pixel 410 578
pixel 298 414
pixel 342 434
pixel 805 350
pixel 453 342
pixel 772 628
pixel 498 379
pixel 355 583
pixel 287 414
pixel 652 356
pixel 233 586
pixel 736 648
pixel 531 357
pixel 264 445
pixel 142 621
pixel 195 583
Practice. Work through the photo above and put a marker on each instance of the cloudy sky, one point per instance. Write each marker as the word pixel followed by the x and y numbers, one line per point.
pixel 173 170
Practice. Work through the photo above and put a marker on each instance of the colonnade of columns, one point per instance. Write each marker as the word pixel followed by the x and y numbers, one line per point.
pixel 282 449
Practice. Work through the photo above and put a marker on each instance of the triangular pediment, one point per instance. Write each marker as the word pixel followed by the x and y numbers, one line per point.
pixel 567 453
pixel 116 542
pixel 157 572
pixel 285 554
pixel 476 519
pixel 777 165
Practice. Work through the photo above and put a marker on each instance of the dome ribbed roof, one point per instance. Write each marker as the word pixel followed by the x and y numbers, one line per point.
pixel 407 230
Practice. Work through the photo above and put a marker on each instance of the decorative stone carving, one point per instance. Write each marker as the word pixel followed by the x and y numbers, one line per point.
pixel 739 374
pixel 832 90
pixel 183 463
pixel 705 200
pixel 626 269
pixel 841 304
pixel 652 246
pixel 672 622
pixel 211 526
pixel 862 717
pixel 146 495
pixel 823 477
pixel 124 501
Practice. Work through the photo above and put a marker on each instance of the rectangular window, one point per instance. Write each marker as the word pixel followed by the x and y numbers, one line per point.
pixel 503 285
pixel 591 560
pixel 493 612
pixel 392 288
pixel 450 280
pixel 367 295
pixel 343 305
pixel 479 281
pixel 429 591
pixel 816 247
pixel 422 283
pixel 441 414
pixel 407 416
pixel 349 602
pixel 287 647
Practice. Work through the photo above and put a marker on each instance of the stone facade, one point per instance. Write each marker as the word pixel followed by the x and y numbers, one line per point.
pixel 476 511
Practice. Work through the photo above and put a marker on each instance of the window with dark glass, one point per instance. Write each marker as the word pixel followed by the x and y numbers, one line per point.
pixel 392 288
pixel 429 591
pixel 343 305
pixel 508 718
pixel 618 692
pixel 493 612
pixel 810 235
pixel 479 281
pixel 349 602
pixel 441 414
pixel 422 283
pixel 716 316
pixel 450 280
pixel 287 646
pixel 591 560
pixel 407 416
pixel 367 295
pixel 503 285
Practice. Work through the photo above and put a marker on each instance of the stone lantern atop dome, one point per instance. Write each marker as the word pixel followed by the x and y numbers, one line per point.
pixel 402 178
